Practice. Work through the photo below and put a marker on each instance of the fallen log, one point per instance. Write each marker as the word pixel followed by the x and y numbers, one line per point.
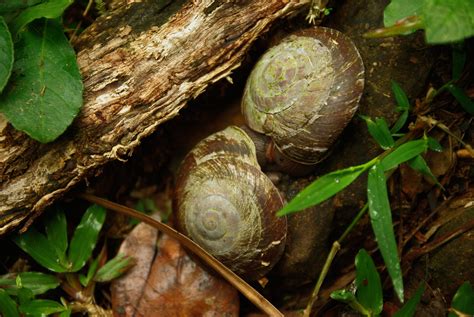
pixel 140 65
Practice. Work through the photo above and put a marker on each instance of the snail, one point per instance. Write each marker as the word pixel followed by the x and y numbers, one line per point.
pixel 302 93
pixel 297 100
pixel 226 204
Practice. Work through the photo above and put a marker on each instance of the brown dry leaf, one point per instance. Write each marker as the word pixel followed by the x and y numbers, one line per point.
pixel 173 285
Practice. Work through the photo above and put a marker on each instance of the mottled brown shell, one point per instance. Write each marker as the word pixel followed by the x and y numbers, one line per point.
pixel 304 91
pixel 227 205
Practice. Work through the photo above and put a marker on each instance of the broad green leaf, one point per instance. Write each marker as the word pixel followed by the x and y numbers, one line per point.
pixel 85 236
pixel 39 307
pixel 462 98
pixel 14 5
pixel 448 21
pixel 459 59
pixel 463 300
pixel 114 268
pixel 6 54
pixel 25 295
pixel 418 163
pixel 400 122
pixel 40 249
pixel 56 232
pixel 403 153
pixel 380 132
pixel 323 188
pixel 408 310
pixel 399 9
pixel 7 305
pixel 434 145
pixel 381 219
pixel 400 96
pixel 44 93
pixel 51 9
pixel 369 288
pixel 37 282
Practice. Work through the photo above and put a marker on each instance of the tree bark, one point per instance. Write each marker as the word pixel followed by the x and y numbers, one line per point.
pixel 140 65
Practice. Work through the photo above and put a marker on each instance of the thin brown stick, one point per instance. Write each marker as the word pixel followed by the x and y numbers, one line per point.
pixel 248 291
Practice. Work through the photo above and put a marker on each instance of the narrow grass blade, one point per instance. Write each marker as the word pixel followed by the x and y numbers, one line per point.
pixel 85 237
pixel 381 219
pixel 369 288
pixel 378 129
pixel 323 188
pixel 400 97
pixel 403 153
pixel 7 305
pixel 40 249
pixel 402 119
pixel 462 98
pixel 418 163
pixel 463 300
pixel 408 310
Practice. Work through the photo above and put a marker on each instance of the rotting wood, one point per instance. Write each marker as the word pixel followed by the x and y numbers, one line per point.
pixel 139 69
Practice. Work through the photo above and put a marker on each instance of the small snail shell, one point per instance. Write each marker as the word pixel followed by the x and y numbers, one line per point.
pixel 303 92
pixel 227 205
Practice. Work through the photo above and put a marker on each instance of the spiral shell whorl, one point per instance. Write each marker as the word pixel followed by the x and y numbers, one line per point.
pixel 227 205
pixel 304 91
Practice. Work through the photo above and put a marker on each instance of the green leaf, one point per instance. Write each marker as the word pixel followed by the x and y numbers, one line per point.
pixel 323 188
pixel 25 295
pixel 39 307
pixel 434 145
pixel 51 9
pixel 37 282
pixel 418 163
pixel 381 219
pixel 400 96
pixel 403 153
pixel 56 232
pixel 85 237
pixel 14 5
pixel 402 119
pixel 369 288
pixel 114 268
pixel 408 310
pixel 399 9
pixel 348 297
pixel 45 90
pixel 66 313
pixel 448 21
pixel 7 305
pixel 40 249
pixel 462 98
pixel 6 54
pixel 85 279
pixel 459 59
pixel 380 132
pixel 463 300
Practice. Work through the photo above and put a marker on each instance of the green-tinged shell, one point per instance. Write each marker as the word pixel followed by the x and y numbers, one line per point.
pixel 227 205
pixel 303 92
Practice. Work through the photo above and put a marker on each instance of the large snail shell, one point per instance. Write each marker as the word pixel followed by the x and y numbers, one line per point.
pixel 227 205
pixel 304 91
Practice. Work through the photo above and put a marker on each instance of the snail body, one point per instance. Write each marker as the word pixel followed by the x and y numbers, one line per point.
pixel 226 204
pixel 303 92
